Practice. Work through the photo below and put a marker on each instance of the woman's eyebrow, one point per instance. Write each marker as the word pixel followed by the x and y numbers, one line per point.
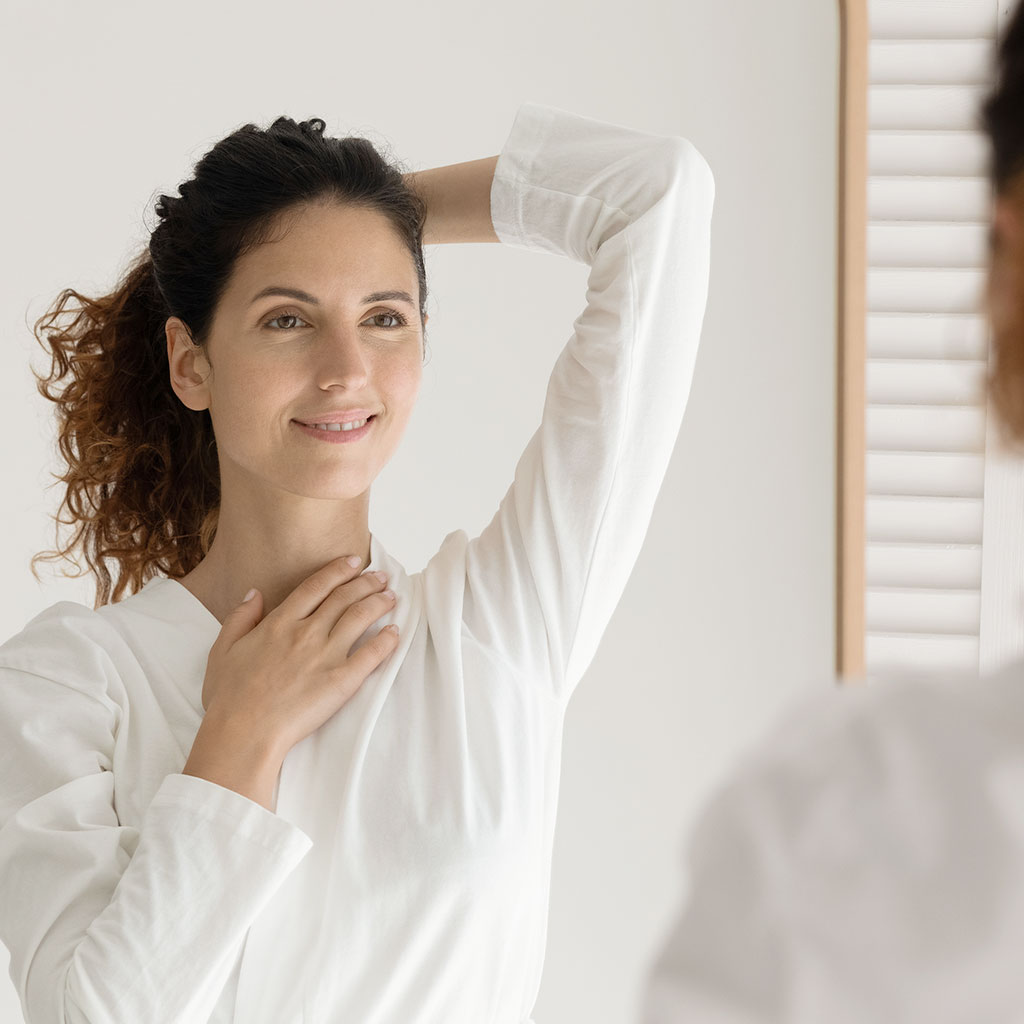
pixel 297 293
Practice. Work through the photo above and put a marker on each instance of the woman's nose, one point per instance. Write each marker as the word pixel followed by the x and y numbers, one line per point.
pixel 342 360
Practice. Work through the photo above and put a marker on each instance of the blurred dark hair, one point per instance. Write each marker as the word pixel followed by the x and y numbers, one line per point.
pixel 143 483
pixel 1002 119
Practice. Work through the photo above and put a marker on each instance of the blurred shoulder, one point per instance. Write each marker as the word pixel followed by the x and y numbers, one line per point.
pixel 887 736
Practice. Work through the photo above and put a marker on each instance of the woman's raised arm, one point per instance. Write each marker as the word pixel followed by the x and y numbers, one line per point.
pixel 458 198
pixel 544 576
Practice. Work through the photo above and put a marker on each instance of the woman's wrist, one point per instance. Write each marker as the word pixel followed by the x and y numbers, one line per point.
pixel 458 198
pixel 236 757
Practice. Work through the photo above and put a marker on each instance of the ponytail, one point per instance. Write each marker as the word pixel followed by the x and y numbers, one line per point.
pixel 142 479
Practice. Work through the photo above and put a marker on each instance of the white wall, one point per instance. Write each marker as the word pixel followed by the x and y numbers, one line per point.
pixel 730 608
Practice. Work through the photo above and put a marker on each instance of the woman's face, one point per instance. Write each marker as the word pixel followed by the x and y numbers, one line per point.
pixel 280 358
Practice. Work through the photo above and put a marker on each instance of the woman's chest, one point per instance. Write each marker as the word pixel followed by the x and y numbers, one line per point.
pixel 444 743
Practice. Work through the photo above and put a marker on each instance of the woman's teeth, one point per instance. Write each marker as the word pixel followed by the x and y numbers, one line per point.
pixel 354 425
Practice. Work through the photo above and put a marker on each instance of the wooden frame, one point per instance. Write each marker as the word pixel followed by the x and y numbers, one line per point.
pixel 851 355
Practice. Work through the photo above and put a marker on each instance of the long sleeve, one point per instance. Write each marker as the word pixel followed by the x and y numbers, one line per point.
pixel 864 863
pixel 109 923
pixel 545 575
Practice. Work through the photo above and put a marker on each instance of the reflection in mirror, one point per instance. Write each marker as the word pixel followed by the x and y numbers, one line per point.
pixel 715 627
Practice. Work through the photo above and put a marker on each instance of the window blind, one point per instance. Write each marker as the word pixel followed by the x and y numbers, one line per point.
pixel 944 509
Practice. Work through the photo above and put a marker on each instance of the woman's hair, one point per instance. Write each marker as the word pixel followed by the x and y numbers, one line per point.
pixel 1002 118
pixel 143 484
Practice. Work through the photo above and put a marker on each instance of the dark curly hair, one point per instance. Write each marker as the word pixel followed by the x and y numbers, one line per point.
pixel 143 481
pixel 1002 118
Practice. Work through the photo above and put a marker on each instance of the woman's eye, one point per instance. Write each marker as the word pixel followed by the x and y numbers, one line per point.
pixel 284 316
pixel 399 320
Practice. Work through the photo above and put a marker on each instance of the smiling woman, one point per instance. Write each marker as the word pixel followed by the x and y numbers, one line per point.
pixel 317 344
pixel 145 465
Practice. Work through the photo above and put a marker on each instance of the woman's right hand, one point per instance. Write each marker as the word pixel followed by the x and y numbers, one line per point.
pixel 281 678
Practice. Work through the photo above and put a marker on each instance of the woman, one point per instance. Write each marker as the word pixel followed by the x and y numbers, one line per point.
pixel 866 862
pixel 271 809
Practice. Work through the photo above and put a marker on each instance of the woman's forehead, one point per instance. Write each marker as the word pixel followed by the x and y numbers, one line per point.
pixel 332 255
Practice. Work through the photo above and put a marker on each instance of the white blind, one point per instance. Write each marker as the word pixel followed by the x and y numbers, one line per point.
pixel 943 510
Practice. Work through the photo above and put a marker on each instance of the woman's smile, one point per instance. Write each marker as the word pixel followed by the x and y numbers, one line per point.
pixel 337 436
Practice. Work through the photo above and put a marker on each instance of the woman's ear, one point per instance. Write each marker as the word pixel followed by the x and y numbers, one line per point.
pixel 188 366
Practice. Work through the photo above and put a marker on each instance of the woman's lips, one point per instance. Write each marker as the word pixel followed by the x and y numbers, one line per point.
pixel 338 436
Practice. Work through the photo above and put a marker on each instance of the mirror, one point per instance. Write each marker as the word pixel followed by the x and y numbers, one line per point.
pixel 731 606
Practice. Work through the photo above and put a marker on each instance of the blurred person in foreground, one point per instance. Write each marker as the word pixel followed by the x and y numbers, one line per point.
pixel 865 860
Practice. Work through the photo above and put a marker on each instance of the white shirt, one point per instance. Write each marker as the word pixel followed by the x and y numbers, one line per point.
pixel 863 865
pixel 403 876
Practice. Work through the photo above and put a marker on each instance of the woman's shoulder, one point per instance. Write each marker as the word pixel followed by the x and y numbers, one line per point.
pixel 67 643
pixel 62 623
pixel 925 709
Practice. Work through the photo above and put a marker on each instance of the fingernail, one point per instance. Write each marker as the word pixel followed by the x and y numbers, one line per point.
pixel 354 560
pixel 249 596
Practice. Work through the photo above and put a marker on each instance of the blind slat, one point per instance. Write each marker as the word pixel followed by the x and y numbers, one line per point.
pixel 935 199
pixel 934 474
pixel 925 382
pixel 927 336
pixel 939 520
pixel 949 566
pixel 924 107
pixel 929 62
pixel 925 428
pixel 948 154
pixel 932 19
pixel 929 290
pixel 927 244
pixel 920 653
pixel 922 611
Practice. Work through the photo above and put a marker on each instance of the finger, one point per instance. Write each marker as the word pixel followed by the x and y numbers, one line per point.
pixel 373 652
pixel 241 619
pixel 347 594
pixel 308 595
pixel 355 620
